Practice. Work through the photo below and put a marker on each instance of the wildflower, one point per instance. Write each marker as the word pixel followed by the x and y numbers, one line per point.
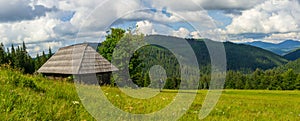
pixel 75 102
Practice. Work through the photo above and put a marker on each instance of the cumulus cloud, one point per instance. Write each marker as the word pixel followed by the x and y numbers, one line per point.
pixel 279 37
pixel 145 27
pixel 151 15
pixel 29 31
pixel 32 32
pixel 150 28
pixel 181 32
pixel 65 29
pixel 57 23
pixel 18 10
pixel 284 16
pixel 196 5
pixel 43 46
pixel 102 15
pixel 195 35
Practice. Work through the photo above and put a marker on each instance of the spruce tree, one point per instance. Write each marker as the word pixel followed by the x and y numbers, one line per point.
pixel 50 53
pixel 2 54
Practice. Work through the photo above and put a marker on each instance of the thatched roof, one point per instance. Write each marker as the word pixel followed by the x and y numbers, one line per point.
pixel 77 59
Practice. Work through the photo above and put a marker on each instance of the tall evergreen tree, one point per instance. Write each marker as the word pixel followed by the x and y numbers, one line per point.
pixel 2 54
pixel 12 56
pixel 37 62
pixel 24 47
pixel 50 53
pixel 44 57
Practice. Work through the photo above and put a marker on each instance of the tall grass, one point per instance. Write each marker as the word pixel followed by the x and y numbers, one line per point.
pixel 28 97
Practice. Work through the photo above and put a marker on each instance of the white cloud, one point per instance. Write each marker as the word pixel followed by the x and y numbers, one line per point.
pixel 100 16
pixel 243 40
pixel 46 27
pixel 277 38
pixel 29 31
pixel 145 27
pixel 199 19
pixel 154 16
pixel 195 5
pixel 195 35
pixel 48 30
pixel 181 32
pixel 150 28
pixel 284 16
pixel 64 29
pixel 33 49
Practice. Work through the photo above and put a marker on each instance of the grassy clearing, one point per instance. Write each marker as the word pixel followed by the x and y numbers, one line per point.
pixel 26 97
pixel 253 105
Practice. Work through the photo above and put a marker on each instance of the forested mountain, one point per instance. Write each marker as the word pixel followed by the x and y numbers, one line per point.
pixel 280 48
pixel 293 55
pixel 239 56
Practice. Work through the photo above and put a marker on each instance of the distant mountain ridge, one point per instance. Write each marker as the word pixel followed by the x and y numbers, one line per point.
pixel 280 48
pixel 239 56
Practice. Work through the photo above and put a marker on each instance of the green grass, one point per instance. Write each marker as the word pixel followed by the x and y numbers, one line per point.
pixel 27 97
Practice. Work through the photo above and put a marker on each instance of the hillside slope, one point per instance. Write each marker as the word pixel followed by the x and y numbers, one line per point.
pixel 239 56
pixel 295 65
pixel 293 55
pixel 27 97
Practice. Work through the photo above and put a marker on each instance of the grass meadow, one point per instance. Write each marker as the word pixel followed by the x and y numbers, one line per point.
pixel 28 97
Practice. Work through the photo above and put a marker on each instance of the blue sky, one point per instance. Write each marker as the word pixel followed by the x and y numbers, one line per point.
pixel 57 23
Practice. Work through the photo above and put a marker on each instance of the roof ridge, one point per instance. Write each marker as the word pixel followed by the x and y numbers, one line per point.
pixel 80 62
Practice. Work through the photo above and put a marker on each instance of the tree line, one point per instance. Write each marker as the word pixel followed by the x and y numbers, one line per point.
pixel 148 56
pixel 151 55
pixel 19 58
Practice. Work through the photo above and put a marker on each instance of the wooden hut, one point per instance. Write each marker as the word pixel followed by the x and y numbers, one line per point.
pixel 81 61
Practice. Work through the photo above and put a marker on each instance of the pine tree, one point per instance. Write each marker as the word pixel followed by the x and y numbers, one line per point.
pixel 12 56
pixel 19 59
pixel 50 53
pixel 44 58
pixel 24 47
pixel 8 56
pixel 37 62
pixel 2 54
